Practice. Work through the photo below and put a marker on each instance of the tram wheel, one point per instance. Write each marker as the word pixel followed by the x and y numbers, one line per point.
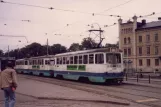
pixel 31 73
pixel 84 79
pixel 41 75
pixel 59 76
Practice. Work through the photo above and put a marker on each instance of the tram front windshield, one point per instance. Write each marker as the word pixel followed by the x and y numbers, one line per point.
pixel 113 58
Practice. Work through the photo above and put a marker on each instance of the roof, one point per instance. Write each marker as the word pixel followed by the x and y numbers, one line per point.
pixel 45 56
pixel 153 24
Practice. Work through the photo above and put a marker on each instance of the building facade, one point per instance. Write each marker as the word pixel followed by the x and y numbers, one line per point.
pixel 141 45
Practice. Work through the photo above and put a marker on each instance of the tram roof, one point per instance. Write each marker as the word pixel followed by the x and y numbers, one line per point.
pixel 86 51
pixel 45 56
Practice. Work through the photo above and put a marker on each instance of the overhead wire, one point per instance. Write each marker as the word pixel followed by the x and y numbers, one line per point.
pixel 53 8
pixel 118 5
pixel 14 36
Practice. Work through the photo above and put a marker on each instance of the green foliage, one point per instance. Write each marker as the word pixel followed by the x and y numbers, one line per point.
pixel 75 47
pixel 57 48
pixel 1 53
pixel 88 43
pixel 36 49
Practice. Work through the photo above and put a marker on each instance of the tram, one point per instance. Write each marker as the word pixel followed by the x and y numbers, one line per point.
pixel 95 65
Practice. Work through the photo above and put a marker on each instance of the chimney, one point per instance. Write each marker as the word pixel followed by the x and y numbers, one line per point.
pixel 143 22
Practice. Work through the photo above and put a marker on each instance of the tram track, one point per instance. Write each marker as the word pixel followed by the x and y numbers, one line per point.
pixel 101 90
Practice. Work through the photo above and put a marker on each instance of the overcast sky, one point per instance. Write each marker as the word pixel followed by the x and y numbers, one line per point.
pixel 46 23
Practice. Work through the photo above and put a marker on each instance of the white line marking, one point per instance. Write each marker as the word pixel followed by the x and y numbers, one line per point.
pixel 146 100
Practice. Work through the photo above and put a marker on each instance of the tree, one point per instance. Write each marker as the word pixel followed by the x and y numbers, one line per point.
pixel 108 45
pixel 1 53
pixel 75 47
pixel 88 43
pixel 57 48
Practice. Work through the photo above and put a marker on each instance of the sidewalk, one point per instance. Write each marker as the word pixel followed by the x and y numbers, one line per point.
pixel 142 84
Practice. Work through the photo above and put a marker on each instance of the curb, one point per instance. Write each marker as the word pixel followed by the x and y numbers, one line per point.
pixel 98 101
pixel 83 100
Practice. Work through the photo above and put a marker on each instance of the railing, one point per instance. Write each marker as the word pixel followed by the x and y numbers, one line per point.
pixel 139 78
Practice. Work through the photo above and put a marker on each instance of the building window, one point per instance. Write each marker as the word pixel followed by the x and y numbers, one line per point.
pixel 131 29
pixel 148 62
pixel 140 39
pixel 147 38
pixel 148 50
pixel 140 50
pixel 156 37
pixel 129 51
pixel 156 62
pixel 125 52
pixel 122 31
pixel 140 62
pixel 129 40
pixel 124 40
pixel 156 50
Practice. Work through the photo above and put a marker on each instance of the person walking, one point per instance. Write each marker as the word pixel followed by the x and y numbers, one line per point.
pixel 8 83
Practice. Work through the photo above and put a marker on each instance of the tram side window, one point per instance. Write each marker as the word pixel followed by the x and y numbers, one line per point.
pixel 52 62
pixel 80 59
pixel 26 63
pixel 57 60
pixel 61 61
pixel 85 59
pixel 91 59
pixel 67 60
pixel 64 60
pixel 29 62
pixel 36 62
pixel 47 62
pixel 42 62
pixel 71 60
pixel 109 58
pixel 99 59
pixel 75 59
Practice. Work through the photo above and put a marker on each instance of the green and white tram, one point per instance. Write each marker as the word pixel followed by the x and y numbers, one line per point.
pixel 95 65
pixel 34 66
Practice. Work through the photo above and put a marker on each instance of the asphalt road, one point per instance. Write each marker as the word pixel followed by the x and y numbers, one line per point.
pixel 49 92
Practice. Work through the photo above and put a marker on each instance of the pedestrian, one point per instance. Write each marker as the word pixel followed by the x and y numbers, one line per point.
pixel 8 83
